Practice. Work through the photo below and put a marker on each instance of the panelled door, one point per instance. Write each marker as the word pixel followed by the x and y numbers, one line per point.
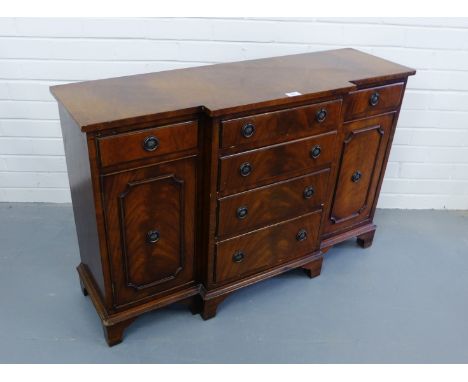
pixel 150 225
pixel 364 143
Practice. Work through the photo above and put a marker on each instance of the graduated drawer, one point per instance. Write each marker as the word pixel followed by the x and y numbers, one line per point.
pixel 373 101
pixel 246 169
pixel 276 244
pixel 278 126
pixel 273 203
pixel 148 143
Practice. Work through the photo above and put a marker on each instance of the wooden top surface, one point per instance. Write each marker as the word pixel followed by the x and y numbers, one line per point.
pixel 223 88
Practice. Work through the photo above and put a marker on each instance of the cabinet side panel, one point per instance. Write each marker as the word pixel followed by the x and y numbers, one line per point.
pixel 79 176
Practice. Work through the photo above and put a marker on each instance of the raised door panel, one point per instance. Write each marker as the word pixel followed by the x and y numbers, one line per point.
pixel 363 150
pixel 150 225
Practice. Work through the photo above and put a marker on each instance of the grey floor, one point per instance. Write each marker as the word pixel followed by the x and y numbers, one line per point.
pixel 404 300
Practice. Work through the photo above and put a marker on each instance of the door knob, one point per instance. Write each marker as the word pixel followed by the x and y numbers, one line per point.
pixel 356 176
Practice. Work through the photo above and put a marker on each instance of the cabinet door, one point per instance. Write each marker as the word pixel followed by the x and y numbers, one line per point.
pixel 150 229
pixel 364 143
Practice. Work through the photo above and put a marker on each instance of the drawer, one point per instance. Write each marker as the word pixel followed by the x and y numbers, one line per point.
pixel 280 126
pixel 148 143
pixel 373 101
pixel 273 203
pixel 240 171
pixel 245 254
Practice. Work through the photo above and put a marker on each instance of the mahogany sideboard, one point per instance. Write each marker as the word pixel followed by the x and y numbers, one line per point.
pixel 190 184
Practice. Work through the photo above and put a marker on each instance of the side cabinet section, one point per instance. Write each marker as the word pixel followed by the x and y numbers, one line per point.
pixel 150 226
pixel 364 143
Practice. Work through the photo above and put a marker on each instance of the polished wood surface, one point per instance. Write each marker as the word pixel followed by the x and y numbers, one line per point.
pixel 160 199
pixel 272 203
pixel 123 148
pixel 361 104
pixel 191 184
pixel 280 126
pixel 266 247
pixel 223 88
pixel 82 193
pixel 364 145
pixel 275 162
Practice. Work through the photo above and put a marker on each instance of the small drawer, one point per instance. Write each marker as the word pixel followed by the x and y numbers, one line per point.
pixel 240 171
pixel 261 206
pixel 276 244
pixel 280 126
pixel 148 143
pixel 373 101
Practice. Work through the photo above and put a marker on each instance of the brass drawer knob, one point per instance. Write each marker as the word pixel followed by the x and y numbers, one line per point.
pixel 374 99
pixel 309 192
pixel 301 235
pixel 152 236
pixel 150 143
pixel 316 151
pixel 245 169
pixel 238 257
pixel 321 115
pixel 248 130
pixel 242 212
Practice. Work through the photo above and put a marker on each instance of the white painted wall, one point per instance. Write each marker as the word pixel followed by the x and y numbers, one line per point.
pixel 428 167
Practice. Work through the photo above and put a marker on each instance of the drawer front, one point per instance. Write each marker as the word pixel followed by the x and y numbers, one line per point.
pixel 270 204
pixel 243 170
pixel 246 254
pixel 148 143
pixel 373 101
pixel 278 126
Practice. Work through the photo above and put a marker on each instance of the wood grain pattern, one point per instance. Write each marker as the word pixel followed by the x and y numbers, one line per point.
pixel 275 162
pixel 280 126
pixel 273 203
pixel 181 223
pixel 266 247
pixel 159 198
pixel 82 194
pixel 224 88
pixel 359 103
pixel 127 147
pixel 152 224
pixel 364 145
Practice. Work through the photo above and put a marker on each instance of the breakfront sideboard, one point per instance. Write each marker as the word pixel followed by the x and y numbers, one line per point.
pixel 190 184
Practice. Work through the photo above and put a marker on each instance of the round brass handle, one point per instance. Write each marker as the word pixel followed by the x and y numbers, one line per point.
pixel 308 192
pixel 242 212
pixel 151 143
pixel 238 256
pixel 248 130
pixel 301 235
pixel 374 99
pixel 356 177
pixel 321 115
pixel 152 236
pixel 245 169
pixel 316 151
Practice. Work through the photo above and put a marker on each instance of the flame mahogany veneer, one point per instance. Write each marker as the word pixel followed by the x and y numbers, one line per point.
pixel 190 184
